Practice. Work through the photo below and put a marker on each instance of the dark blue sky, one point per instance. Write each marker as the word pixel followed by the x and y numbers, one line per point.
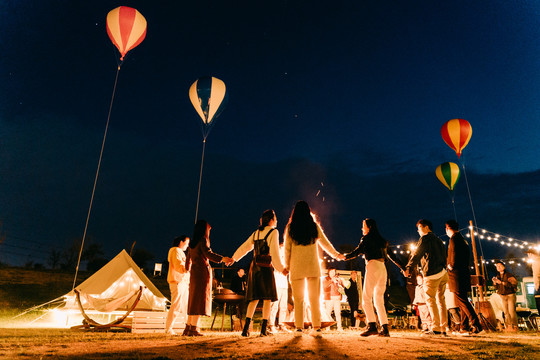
pixel 349 93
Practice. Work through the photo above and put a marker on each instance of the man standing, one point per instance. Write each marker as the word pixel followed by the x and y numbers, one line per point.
pixel 178 279
pixel 431 254
pixel 238 282
pixel 459 278
pixel 332 297
pixel 238 286
pixel 353 290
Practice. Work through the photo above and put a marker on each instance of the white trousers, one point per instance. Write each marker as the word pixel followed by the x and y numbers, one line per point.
pixel 281 305
pixel 434 288
pixel 314 293
pixel 334 304
pixel 374 288
pixel 179 301
pixel 509 306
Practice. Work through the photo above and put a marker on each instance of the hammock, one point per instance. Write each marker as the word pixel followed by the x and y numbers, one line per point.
pixel 89 323
pixel 108 304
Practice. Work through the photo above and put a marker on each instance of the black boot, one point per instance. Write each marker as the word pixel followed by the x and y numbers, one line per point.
pixel 371 330
pixel 245 332
pixel 384 331
pixel 264 331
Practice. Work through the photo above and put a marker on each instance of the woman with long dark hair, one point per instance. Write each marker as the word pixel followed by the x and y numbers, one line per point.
pixel 303 236
pixel 261 284
pixel 374 248
pixel 200 281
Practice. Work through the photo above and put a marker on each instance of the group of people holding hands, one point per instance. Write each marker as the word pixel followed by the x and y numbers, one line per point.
pixel 298 258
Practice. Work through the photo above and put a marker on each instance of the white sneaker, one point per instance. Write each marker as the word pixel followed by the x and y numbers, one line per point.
pixel 316 333
pixel 283 328
pixel 171 332
pixel 298 333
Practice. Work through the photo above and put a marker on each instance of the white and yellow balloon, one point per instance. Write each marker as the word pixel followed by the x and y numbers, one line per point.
pixel 209 97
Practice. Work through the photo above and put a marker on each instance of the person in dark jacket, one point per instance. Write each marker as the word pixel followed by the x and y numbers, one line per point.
pixel 200 281
pixel 353 289
pixel 238 285
pixel 374 248
pixel 238 282
pixel 431 254
pixel 459 277
pixel 506 285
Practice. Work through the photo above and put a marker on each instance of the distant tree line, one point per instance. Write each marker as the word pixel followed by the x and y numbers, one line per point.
pixel 93 255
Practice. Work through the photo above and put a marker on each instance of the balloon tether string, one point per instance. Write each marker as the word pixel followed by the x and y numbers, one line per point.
pixel 454 206
pixel 200 180
pixel 472 209
pixel 96 177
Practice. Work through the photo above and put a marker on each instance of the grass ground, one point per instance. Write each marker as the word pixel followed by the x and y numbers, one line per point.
pixel 65 344
pixel 21 289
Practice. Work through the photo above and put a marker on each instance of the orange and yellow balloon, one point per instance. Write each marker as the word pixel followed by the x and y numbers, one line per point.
pixel 126 28
pixel 456 133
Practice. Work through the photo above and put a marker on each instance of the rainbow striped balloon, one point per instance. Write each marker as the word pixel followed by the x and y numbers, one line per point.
pixel 456 133
pixel 209 96
pixel 448 174
pixel 126 28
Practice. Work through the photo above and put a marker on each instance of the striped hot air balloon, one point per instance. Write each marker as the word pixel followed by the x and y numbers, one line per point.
pixel 448 174
pixel 126 28
pixel 209 97
pixel 456 133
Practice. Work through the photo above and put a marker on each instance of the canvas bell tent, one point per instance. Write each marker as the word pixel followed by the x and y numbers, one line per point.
pixel 115 291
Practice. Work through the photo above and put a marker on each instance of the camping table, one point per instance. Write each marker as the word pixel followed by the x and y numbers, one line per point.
pixel 223 297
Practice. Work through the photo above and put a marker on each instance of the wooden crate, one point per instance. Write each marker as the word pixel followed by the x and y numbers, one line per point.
pixel 148 322
pixel 152 322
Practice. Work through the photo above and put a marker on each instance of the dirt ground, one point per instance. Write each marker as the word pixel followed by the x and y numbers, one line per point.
pixel 68 344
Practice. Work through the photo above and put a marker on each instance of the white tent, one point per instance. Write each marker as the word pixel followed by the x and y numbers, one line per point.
pixel 114 288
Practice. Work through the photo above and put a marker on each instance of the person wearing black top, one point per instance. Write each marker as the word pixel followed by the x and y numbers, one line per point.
pixel 459 277
pixel 238 285
pixel 352 291
pixel 238 282
pixel 374 248
pixel 506 285
pixel 431 254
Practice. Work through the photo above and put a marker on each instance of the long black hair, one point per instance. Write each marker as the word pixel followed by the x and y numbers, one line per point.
pixel 301 227
pixel 199 233
pixel 266 217
pixel 374 232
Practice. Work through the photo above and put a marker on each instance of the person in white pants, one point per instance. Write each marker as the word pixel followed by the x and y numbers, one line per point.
pixel 303 236
pixel 332 297
pixel 178 279
pixel 282 287
pixel 374 248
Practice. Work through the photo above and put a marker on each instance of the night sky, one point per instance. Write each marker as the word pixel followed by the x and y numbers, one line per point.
pixel 344 99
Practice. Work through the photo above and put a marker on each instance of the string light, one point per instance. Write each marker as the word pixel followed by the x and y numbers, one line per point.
pixel 503 240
